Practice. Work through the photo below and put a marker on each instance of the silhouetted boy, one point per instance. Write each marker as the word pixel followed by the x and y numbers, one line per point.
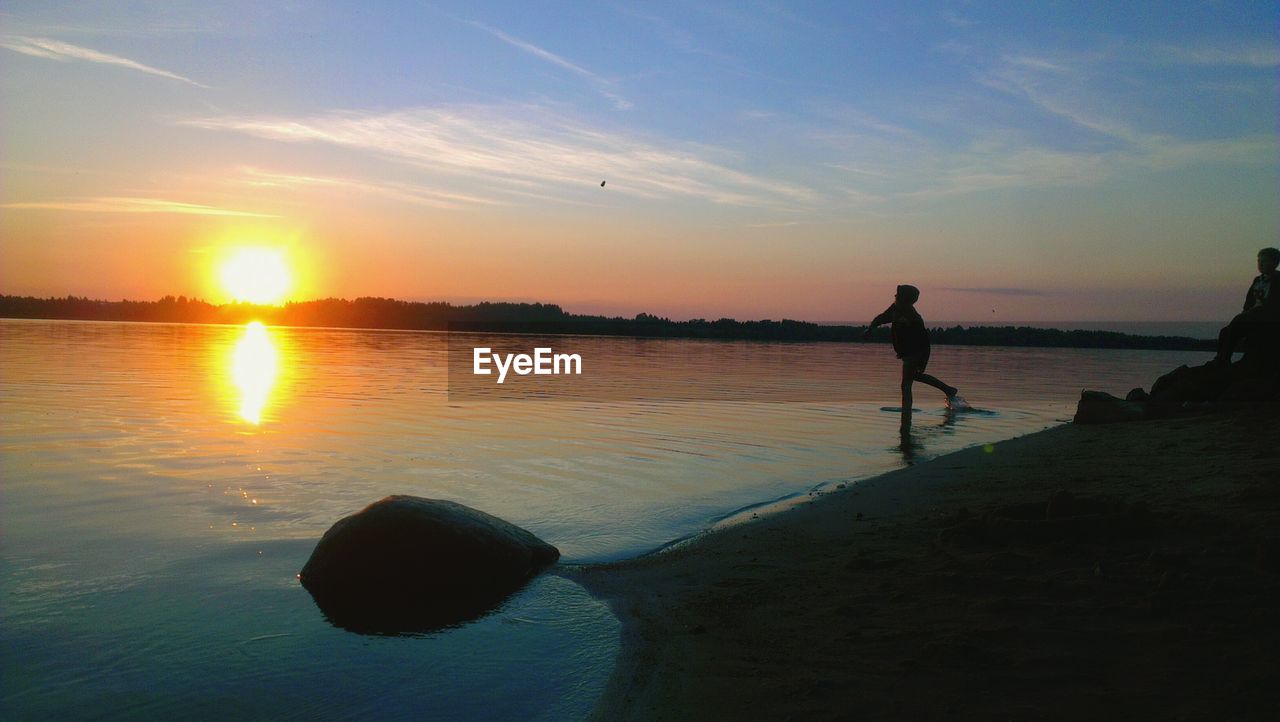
pixel 911 343
pixel 1261 312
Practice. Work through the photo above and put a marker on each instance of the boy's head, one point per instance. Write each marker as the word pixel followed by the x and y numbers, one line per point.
pixel 1268 259
pixel 907 295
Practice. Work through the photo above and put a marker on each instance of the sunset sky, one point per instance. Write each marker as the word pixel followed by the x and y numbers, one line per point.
pixel 1016 161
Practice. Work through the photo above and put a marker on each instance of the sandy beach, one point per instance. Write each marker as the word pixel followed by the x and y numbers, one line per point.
pixel 1113 571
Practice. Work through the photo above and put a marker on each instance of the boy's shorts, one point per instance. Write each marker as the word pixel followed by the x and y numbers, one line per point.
pixel 918 360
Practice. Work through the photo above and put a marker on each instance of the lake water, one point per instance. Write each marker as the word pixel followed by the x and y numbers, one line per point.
pixel 163 484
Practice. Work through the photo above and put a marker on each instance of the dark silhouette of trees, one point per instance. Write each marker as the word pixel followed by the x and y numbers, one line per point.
pixel 544 318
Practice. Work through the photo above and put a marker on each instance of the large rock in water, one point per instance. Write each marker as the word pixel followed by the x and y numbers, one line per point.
pixel 407 564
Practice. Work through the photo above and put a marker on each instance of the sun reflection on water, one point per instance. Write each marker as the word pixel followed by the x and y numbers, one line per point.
pixel 255 363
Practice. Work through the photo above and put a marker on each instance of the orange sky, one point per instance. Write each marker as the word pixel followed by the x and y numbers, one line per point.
pixel 1126 170
pixel 832 273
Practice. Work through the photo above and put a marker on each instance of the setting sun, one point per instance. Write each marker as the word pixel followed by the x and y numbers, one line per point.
pixel 256 275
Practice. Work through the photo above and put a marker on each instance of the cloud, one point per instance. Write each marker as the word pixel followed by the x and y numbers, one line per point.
pixel 58 50
pixel 675 36
pixel 405 192
pixel 874 161
pixel 1243 151
pixel 603 86
pixel 1258 56
pixel 133 205
pixel 985 168
pixel 855 122
pixel 1061 89
pixel 992 143
pixel 1052 86
pixel 525 149
pixel 1037 63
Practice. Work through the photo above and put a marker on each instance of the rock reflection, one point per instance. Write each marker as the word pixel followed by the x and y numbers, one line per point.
pixel 393 615
pixel 255 363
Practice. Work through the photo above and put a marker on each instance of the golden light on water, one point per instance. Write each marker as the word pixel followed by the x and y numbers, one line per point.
pixel 255 363
pixel 256 274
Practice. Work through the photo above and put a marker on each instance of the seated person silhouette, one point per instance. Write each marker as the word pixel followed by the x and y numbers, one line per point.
pixel 1261 314
pixel 911 343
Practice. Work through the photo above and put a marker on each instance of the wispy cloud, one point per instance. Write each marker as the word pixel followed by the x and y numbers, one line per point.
pixel 1040 81
pixel 133 205
pixel 1061 88
pixel 58 50
pixel 854 121
pixel 1002 147
pixel 674 35
pixel 405 192
pixel 985 168
pixel 913 173
pixel 527 149
pixel 537 51
pixel 602 85
pixel 1253 56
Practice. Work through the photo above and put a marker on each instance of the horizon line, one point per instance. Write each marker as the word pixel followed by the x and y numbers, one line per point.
pixel 971 323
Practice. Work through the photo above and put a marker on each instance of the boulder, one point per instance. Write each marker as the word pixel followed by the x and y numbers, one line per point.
pixel 408 564
pixel 1261 357
pixel 1254 378
pixel 1244 381
pixel 1252 390
pixel 1187 384
pixel 1098 407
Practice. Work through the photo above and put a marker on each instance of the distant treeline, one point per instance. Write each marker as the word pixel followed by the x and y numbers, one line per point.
pixel 544 318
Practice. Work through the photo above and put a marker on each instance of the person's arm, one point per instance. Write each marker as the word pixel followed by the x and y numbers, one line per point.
pixel 886 317
pixel 1248 297
pixel 882 319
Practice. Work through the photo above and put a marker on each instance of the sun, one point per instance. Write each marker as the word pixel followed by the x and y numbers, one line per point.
pixel 256 275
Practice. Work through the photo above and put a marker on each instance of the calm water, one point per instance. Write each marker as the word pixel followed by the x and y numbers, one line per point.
pixel 163 484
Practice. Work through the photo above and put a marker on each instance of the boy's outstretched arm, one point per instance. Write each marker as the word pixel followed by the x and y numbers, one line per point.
pixel 886 317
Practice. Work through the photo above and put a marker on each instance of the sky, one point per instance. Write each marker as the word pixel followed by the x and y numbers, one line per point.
pixel 1021 161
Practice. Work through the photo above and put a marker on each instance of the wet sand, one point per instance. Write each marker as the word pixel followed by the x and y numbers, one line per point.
pixel 973 587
